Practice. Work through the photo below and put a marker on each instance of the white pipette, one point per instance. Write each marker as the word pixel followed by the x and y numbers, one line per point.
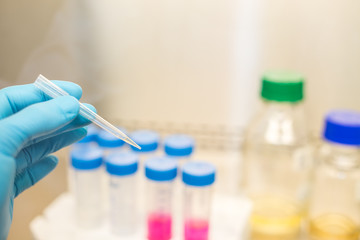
pixel 52 90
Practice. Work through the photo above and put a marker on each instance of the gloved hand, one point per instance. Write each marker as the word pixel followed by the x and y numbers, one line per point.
pixel 31 128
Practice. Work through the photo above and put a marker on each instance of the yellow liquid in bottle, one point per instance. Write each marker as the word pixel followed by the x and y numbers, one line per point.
pixel 275 218
pixel 333 227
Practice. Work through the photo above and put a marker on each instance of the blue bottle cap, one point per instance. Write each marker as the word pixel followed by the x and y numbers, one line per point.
pixel 148 140
pixel 121 163
pixel 161 168
pixel 107 140
pixel 342 126
pixel 86 158
pixel 198 174
pixel 179 145
pixel 91 135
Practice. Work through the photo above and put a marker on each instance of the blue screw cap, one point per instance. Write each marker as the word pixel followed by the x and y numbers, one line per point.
pixel 91 136
pixel 121 163
pixel 107 140
pixel 199 174
pixel 86 158
pixel 343 126
pixel 179 145
pixel 148 140
pixel 161 169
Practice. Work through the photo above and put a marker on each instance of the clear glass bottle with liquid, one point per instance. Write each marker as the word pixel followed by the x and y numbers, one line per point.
pixel 334 210
pixel 277 162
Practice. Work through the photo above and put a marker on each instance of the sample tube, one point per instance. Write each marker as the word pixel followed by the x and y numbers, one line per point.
pixel 334 206
pixel 198 178
pixel 160 172
pixel 109 144
pixel 122 167
pixel 88 186
pixel 148 141
pixel 88 141
pixel 179 146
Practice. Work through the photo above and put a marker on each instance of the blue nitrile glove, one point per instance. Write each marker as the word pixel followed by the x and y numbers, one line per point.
pixel 31 127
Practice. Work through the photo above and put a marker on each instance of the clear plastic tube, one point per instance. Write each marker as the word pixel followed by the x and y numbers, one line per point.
pixel 198 178
pixel 88 190
pixel 159 218
pixel 161 173
pixel 88 198
pixel 197 204
pixel 123 205
pixel 122 168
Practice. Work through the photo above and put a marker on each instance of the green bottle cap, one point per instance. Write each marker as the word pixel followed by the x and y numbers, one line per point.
pixel 282 86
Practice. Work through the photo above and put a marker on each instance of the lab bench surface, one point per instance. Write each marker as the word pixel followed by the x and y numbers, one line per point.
pixel 228 221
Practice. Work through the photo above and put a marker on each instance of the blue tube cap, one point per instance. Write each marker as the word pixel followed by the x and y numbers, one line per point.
pixel 343 126
pixel 179 145
pixel 161 169
pixel 107 140
pixel 199 174
pixel 148 140
pixel 121 163
pixel 91 135
pixel 86 158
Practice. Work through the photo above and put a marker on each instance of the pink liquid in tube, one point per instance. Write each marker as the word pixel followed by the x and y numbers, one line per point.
pixel 196 229
pixel 159 226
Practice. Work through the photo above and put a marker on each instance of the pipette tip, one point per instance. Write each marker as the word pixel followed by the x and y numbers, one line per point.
pixel 54 91
pixel 131 142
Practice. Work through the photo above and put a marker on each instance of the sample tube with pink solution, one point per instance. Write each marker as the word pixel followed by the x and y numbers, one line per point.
pixel 198 178
pixel 161 173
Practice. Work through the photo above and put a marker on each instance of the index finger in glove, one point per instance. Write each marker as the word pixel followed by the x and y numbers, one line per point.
pixel 35 121
pixel 16 98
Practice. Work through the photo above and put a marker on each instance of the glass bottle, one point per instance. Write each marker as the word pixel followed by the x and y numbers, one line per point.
pixel 334 210
pixel 277 163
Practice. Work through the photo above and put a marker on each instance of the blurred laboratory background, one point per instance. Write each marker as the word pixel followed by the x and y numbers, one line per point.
pixel 191 67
